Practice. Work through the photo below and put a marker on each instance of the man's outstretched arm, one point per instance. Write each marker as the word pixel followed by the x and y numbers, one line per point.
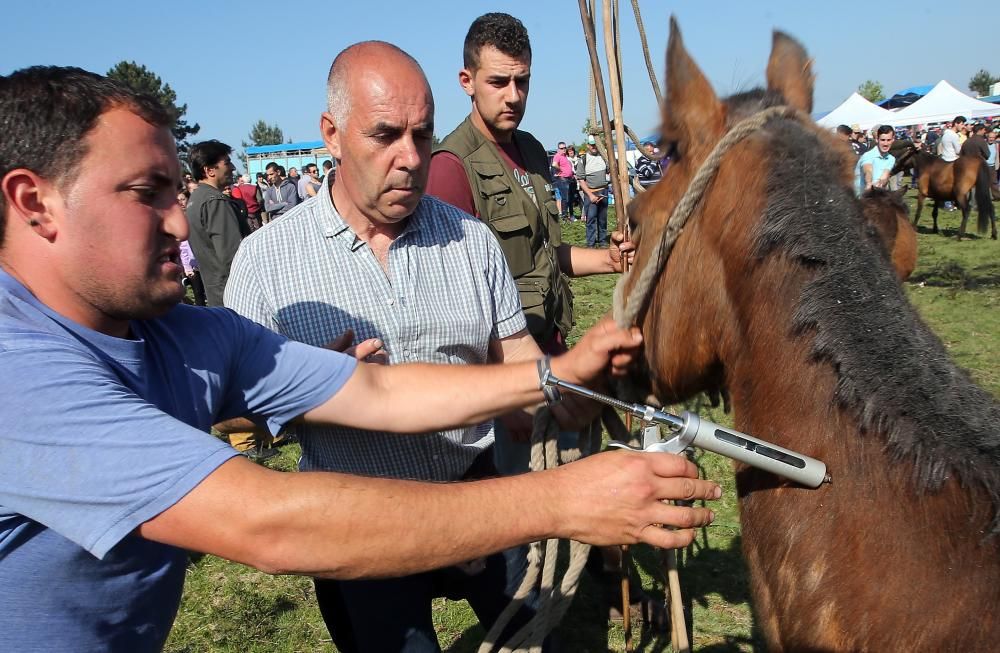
pixel 341 526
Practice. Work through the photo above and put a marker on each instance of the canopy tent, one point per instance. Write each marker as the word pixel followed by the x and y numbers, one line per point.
pixel 905 97
pixel 942 103
pixel 856 110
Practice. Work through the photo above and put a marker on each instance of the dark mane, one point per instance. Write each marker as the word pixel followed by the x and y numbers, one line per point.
pixel 892 371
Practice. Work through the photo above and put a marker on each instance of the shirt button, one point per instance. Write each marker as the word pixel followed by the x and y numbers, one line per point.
pixel 390 301
pixel 406 353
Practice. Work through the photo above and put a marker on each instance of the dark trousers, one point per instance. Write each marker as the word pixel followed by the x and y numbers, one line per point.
pixel 394 614
pixel 572 199
pixel 597 219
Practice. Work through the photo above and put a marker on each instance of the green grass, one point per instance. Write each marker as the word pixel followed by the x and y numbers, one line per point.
pixel 228 607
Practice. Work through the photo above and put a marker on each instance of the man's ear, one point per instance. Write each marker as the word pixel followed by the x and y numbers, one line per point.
pixel 330 132
pixel 31 201
pixel 465 80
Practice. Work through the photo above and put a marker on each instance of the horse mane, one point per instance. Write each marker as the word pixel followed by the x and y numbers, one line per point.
pixel 892 371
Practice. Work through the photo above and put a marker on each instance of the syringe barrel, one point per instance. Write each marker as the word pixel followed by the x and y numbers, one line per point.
pixel 754 452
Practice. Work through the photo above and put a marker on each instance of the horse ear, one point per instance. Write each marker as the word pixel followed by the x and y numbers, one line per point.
pixel 691 110
pixel 789 72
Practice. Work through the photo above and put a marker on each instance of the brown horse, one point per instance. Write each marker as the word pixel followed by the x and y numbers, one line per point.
pixel 953 181
pixel 887 216
pixel 776 292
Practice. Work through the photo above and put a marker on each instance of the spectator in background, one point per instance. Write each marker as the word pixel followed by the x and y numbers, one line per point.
pixel 647 169
pixel 845 134
pixel 859 143
pixel 573 190
pixel 994 161
pixel 327 169
pixel 293 174
pixel 951 143
pixel 192 275
pixel 252 197
pixel 562 175
pixel 594 186
pixel 282 194
pixel 308 183
pixel 214 219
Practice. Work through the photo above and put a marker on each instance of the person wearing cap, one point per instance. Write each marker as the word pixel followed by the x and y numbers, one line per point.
pixel 858 143
pixel 594 186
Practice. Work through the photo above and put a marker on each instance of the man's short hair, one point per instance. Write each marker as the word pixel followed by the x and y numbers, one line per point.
pixel 274 166
pixel 46 113
pixel 885 129
pixel 502 31
pixel 328 164
pixel 845 130
pixel 205 155
pixel 959 119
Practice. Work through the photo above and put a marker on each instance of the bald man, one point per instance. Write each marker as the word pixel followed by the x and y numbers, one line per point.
pixel 377 257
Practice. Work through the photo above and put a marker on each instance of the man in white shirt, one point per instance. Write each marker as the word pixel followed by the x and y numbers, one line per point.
pixel 950 143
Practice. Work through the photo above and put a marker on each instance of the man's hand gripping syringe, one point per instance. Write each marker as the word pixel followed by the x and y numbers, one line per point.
pixel 690 430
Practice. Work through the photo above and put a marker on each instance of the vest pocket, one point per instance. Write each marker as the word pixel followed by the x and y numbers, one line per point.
pixel 514 234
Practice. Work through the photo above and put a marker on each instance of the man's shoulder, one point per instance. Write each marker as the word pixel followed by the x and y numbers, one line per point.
pixel 869 155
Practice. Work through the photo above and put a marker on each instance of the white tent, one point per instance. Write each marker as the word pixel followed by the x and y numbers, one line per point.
pixel 856 110
pixel 943 102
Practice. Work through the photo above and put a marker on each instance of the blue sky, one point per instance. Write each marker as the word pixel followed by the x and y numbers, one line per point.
pixel 235 63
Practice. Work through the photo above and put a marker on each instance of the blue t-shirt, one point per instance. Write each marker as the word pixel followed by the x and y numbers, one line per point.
pixel 99 435
pixel 879 164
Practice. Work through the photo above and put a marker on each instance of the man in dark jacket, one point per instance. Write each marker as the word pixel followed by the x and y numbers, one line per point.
pixel 216 227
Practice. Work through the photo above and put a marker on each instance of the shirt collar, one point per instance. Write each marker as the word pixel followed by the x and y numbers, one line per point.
pixel 334 225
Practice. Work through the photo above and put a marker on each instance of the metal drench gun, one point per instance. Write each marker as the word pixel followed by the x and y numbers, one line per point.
pixel 689 430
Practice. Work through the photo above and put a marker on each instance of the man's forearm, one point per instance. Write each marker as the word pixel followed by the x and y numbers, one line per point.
pixel 343 526
pixel 422 397
pixel 582 261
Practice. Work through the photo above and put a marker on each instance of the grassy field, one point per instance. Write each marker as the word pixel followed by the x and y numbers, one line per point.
pixel 227 607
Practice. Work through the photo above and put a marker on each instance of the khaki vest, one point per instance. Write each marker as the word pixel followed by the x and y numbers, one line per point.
pixel 528 232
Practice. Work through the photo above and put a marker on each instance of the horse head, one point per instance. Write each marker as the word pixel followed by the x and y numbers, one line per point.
pixel 907 159
pixel 688 319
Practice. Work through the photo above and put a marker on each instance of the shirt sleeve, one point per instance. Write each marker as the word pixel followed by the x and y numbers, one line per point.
pixel 87 457
pixel 448 182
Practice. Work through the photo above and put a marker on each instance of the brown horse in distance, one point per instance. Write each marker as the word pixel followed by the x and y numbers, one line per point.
pixel 777 292
pixel 953 181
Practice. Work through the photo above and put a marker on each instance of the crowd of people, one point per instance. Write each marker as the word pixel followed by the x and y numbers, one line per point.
pixel 584 179
pixel 876 149
pixel 109 385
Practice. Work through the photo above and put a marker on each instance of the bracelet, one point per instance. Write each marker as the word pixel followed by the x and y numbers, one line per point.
pixel 552 394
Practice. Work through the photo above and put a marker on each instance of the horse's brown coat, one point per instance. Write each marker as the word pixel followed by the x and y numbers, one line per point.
pixel 883 559
pixel 954 181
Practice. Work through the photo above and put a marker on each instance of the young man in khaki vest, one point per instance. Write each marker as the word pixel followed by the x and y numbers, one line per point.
pixel 493 170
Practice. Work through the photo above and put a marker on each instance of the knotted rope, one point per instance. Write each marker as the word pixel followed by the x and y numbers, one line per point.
pixel 626 310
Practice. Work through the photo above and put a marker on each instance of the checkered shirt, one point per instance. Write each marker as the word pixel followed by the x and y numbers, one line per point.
pixel 448 293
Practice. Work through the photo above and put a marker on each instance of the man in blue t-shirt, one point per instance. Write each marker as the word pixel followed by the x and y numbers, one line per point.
pixel 108 387
pixel 874 166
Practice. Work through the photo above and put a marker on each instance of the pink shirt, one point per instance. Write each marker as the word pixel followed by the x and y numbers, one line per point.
pixel 561 162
